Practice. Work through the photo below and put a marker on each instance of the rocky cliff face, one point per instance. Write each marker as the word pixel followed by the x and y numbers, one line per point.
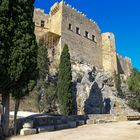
pixel 95 93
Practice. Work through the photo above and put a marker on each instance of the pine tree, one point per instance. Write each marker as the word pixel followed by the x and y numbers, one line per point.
pixel 64 83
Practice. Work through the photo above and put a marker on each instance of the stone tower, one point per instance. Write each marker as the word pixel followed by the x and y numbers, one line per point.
pixel 109 52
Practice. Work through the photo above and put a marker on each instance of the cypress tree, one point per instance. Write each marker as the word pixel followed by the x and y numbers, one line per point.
pixel 117 82
pixel 134 90
pixel 64 83
pixel 18 53
pixel 42 60
pixel 43 68
pixel 23 56
pixel 6 26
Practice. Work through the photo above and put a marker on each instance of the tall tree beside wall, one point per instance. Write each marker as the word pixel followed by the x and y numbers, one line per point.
pixel 64 83
pixel 117 82
pixel 43 67
pixel 134 88
pixel 18 52
pixel 42 60
pixel 6 26
pixel 23 57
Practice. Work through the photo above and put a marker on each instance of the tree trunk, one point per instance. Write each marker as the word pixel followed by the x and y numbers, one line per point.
pixel 17 102
pixel 5 116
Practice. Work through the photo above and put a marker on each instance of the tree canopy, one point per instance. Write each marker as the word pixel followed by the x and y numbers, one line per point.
pixel 6 27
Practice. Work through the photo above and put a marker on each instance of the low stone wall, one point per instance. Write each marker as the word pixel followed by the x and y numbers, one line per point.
pixel 105 118
pixel 108 117
pixel 49 120
pixel 43 122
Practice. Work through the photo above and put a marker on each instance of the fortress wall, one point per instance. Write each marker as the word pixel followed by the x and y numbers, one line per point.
pixel 39 16
pixel 109 52
pixel 52 21
pixel 81 48
pixel 55 20
pixel 99 51
pixel 124 65
pixel 51 31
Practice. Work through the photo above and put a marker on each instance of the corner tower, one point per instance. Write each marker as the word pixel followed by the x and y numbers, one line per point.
pixel 109 52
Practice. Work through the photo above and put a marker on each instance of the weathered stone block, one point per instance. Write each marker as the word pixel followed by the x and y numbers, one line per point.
pixel 72 124
pixel 27 131
pixel 45 128
pixel 61 126
pixel 80 122
pixel 28 124
pixel 90 122
pixel 101 121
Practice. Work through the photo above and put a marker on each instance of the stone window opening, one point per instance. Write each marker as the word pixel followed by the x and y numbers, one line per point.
pixel 86 34
pixel 93 38
pixel 42 23
pixel 70 26
pixel 77 30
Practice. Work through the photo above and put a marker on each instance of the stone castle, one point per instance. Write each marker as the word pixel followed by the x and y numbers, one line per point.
pixel 65 25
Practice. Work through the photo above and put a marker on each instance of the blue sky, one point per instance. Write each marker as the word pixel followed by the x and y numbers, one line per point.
pixel 122 17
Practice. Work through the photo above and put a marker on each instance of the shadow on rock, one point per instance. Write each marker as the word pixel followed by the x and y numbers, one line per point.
pixel 94 103
pixel 74 91
pixel 107 106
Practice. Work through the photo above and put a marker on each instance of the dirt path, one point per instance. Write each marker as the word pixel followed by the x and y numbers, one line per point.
pixel 110 131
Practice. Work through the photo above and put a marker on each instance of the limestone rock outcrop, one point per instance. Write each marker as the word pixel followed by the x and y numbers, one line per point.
pixel 95 93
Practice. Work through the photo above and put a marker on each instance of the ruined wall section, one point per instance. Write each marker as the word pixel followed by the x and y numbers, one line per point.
pixel 124 65
pixel 109 52
pixel 55 20
pixel 82 48
pixel 52 21
pixel 40 16
pixel 48 26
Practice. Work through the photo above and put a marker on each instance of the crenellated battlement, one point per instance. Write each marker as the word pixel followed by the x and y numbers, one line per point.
pixel 80 14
